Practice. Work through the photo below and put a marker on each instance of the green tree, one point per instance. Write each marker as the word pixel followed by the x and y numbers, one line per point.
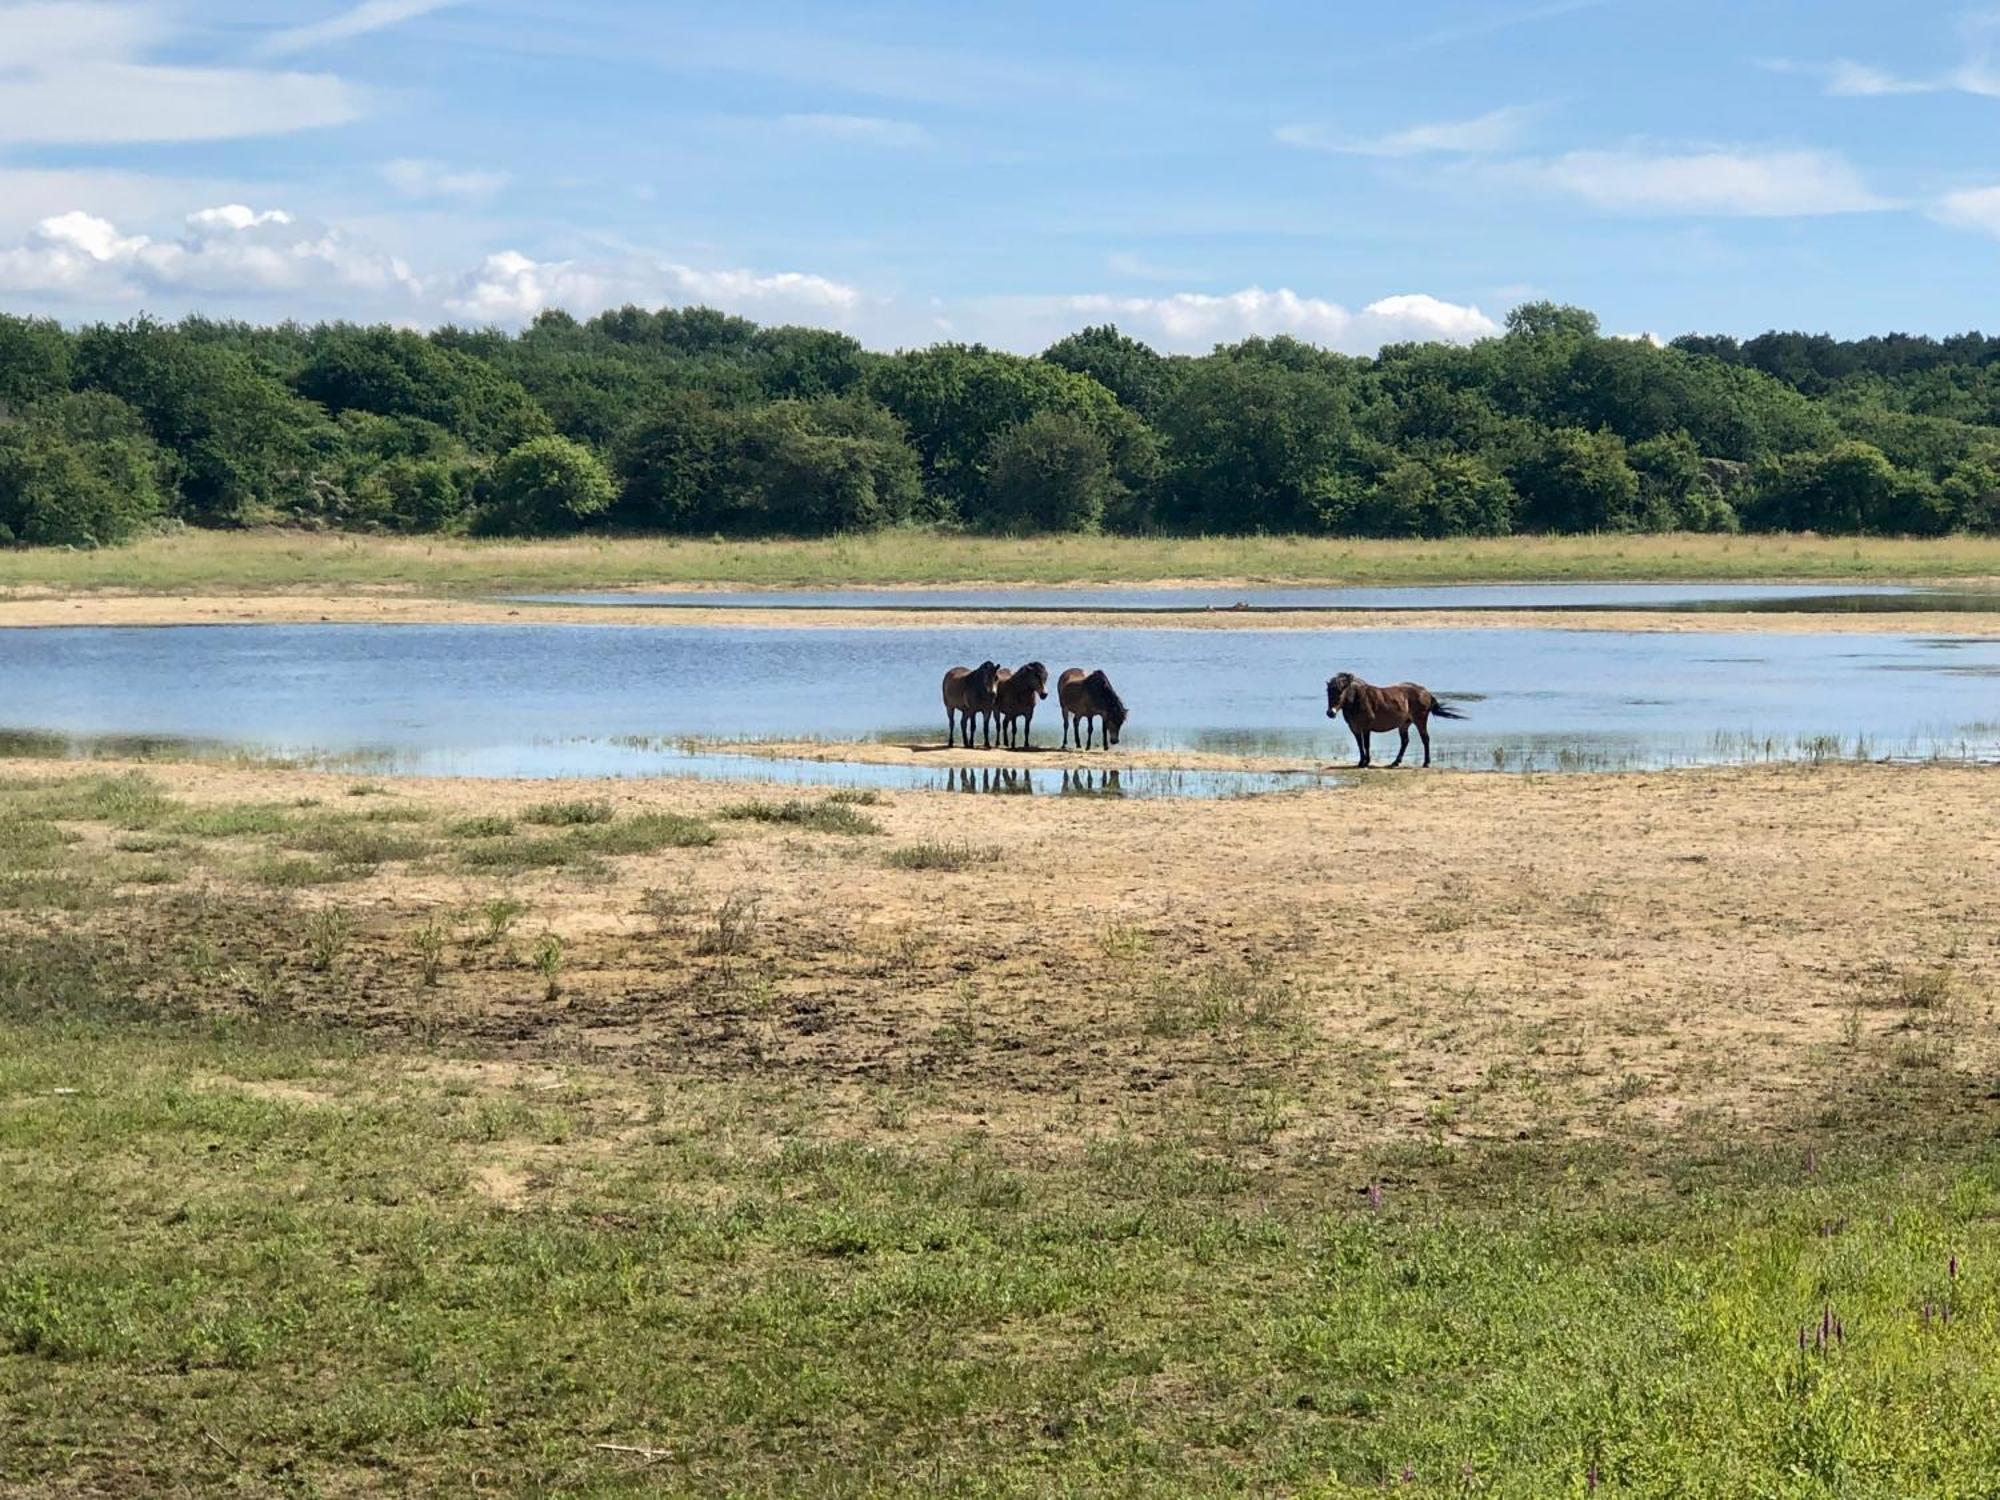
pixel 548 484
pixel 1852 488
pixel 812 467
pixel 34 362
pixel 671 465
pixel 1051 472
pixel 1252 446
pixel 79 470
pixel 1577 481
pixel 1130 370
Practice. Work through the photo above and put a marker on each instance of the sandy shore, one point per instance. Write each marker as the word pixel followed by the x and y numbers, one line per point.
pixel 393 608
pixel 1625 951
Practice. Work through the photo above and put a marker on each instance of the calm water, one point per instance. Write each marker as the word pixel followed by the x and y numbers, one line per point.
pixel 529 700
pixel 1748 598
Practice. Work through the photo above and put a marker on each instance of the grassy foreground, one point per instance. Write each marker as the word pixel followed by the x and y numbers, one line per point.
pixel 354 1141
pixel 232 562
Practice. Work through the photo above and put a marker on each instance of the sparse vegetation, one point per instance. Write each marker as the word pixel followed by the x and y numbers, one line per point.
pixel 828 815
pixel 943 855
pixel 568 814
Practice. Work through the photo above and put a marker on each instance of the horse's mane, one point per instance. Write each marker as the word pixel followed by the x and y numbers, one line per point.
pixel 1113 702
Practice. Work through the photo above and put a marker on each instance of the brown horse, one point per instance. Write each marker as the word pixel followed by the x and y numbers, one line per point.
pixel 1086 698
pixel 1377 710
pixel 968 695
pixel 1014 698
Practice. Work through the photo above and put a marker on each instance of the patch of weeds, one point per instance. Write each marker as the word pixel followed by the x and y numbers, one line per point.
pixel 647 832
pixel 1934 988
pixel 291 873
pixel 567 814
pixel 46 890
pixel 1221 1000
pixel 1123 941
pixel 129 800
pixel 670 906
pixel 327 932
pixel 240 821
pixel 369 789
pixel 146 843
pixel 499 914
pixel 732 926
pixel 581 847
pixel 548 958
pixel 355 841
pixel 856 797
pixel 429 942
pixel 484 826
pixel 936 855
pixel 828 816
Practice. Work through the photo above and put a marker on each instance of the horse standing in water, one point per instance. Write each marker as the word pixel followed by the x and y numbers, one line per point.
pixel 1377 710
pixel 1014 698
pixel 1085 698
pixel 968 695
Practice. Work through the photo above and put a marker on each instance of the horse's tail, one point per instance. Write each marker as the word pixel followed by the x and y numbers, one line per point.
pixel 1443 710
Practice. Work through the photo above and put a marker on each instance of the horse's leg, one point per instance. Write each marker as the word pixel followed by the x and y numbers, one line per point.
pixel 1090 731
pixel 1402 747
pixel 1028 730
pixel 1424 734
pixel 1360 739
pixel 950 728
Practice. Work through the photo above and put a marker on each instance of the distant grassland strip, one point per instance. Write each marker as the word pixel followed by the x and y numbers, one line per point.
pixel 271 561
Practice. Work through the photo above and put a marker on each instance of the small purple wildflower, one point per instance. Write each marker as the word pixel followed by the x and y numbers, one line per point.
pixel 1590 1478
pixel 1374 1197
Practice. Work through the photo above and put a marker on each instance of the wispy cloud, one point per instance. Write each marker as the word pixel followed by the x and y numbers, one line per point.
pixel 1496 130
pixel 859 130
pixel 1715 182
pixel 1491 24
pixel 85 75
pixel 370 15
pixel 1971 208
pixel 1978 71
pixel 416 178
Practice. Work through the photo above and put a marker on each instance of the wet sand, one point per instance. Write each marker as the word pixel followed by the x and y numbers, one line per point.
pixel 27 610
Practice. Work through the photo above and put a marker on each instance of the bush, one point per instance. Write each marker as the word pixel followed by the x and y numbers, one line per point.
pixel 78 471
pixel 548 484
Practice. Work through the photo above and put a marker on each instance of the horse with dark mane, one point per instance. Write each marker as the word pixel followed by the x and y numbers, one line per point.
pixel 1014 698
pixel 968 695
pixel 1085 699
pixel 1377 710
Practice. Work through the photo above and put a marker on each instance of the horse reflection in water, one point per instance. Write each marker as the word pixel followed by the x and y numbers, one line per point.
pixel 999 780
pixel 1092 784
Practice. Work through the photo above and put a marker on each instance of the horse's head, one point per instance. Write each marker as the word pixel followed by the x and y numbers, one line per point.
pixel 1038 674
pixel 1113 705
pixel 1338 687
pixel 988 676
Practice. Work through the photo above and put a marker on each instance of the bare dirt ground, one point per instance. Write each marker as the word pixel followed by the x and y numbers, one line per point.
pixel 1411 959
pixel 26 608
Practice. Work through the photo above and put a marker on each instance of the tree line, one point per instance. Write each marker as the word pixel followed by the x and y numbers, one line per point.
pixel 691 420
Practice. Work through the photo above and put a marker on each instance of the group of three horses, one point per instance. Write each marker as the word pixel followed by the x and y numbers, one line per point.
pixel 1004 701
pixel 992 695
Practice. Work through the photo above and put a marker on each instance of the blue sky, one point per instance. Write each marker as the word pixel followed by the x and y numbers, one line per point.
pixel 1347 172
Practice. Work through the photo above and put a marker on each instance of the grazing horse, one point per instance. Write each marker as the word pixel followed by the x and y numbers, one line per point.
pixel 1014 697
pixel 1377 710
pixel 968 695
pixel 1085 698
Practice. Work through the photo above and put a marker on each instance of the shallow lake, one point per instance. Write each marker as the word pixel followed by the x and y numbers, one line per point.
pixel 1730 598
pixel 551 700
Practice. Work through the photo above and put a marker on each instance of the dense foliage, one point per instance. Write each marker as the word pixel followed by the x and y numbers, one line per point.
pixel 694 421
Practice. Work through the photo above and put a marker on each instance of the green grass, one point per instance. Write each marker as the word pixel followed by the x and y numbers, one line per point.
pixel 228 562
pixel 834 814
pixel 284 1274
pixel 943 855
pixel 583 844
pixel 567 814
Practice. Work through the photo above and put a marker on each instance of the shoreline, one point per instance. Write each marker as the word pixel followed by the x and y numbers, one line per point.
pixel 387 607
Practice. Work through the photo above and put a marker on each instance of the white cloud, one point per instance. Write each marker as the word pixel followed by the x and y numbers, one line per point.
pixel 1978 73
pixel 860 130
pixel 233 259
pixel 1719 182
pixel 232 250
pixel 1972 208
pixel 79 75
pixel 415 178
pixel 1496 130
pixel 1196 321
pixel 370 15
pixel 511 287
